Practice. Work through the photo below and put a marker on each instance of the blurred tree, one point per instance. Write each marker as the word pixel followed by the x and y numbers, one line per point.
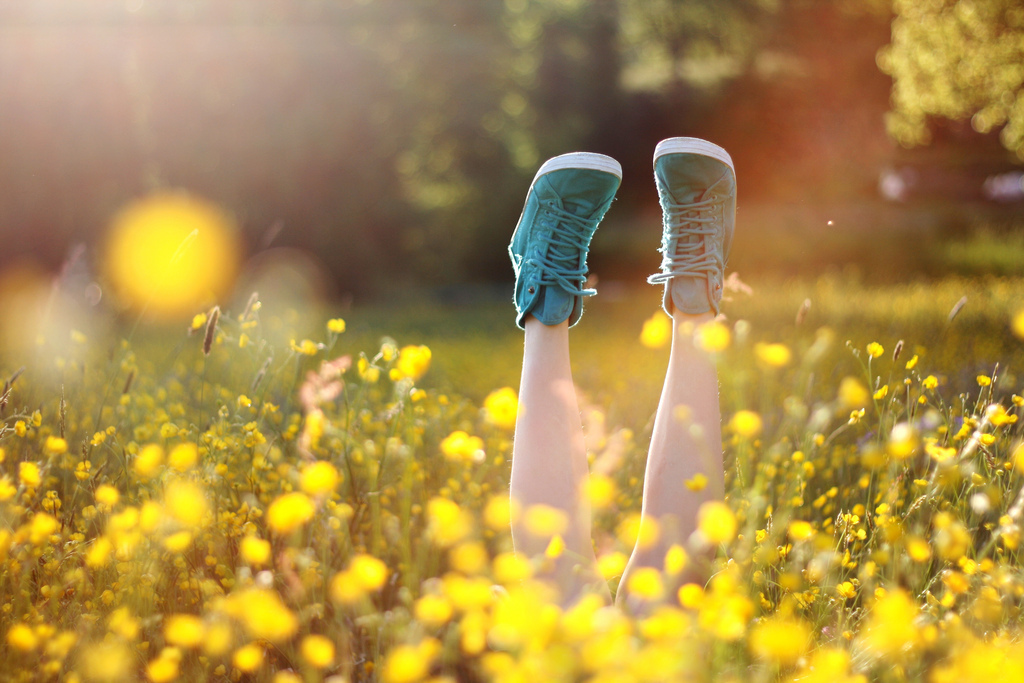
pixel 671 43
pixel 957 59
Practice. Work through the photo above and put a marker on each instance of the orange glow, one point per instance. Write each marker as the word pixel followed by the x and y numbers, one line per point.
pixel 171 253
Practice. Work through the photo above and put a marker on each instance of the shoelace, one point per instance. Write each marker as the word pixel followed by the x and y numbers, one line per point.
pixel 688 258
pixel 563 258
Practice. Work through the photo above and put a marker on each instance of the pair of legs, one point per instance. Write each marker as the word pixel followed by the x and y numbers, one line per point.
pixel 549 463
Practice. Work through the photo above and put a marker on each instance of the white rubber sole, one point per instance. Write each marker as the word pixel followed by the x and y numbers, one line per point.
pixel 588 160
pixel 693 146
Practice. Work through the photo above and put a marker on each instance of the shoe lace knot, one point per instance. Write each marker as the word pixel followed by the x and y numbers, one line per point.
pixel 562 254
pixel 688 226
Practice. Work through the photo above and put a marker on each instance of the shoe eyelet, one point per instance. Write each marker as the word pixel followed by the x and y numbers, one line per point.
pixel 531 290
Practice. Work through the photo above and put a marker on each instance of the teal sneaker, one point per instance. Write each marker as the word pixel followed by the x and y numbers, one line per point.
pixel 567 199
pixel 697 189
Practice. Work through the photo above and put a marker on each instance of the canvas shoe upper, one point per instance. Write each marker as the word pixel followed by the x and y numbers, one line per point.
pixel 567 200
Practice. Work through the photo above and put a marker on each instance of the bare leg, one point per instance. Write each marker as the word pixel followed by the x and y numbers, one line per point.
pixel 687 440
pixel 549 460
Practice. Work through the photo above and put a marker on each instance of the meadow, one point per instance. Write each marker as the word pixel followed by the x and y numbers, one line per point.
pixel 266 493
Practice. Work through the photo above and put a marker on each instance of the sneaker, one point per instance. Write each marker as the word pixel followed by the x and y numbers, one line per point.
pixel 697 188
pixel 567 199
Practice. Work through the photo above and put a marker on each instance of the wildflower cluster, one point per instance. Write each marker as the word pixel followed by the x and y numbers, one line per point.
pixel 262 506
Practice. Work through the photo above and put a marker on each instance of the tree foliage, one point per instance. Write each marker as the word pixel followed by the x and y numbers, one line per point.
pixel 957 59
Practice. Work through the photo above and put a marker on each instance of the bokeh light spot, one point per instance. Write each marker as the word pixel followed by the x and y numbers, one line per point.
pixel 170 253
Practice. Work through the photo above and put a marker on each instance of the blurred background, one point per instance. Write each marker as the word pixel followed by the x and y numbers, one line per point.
pixel 357 148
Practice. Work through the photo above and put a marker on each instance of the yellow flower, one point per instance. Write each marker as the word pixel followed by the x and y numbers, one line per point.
pixel 447 523
pixel 724 613
pixel 368 572
pixel 99 553
pixel 699 482
pixel 746 423
pixel 41 527
pixel 413 362
pixel 773 355
pixel 600 490
pixel 254 550
pixel 107 495
pixel 501 512
pixel 939 453
pixel 676 560
pixel 263 614
pixel 344 589
pixel 368 373
pixel 319 478
pixel 509 568
pixel 716 522
pixel 555 547
pixel 177 543
pixel 890 627
pixel 691 595
pixel 248 658
pixel 186 502
pixel 984 380
pixel 1017 323
pixel 164 668
pixel 904 441
pixel 469 557
pixel 713 337
pixel 109 660
pixel 638 531
pixel 781 640
pixel 611 564
pixel 881 393
pixel 852 394
pixel 186 630
pixel 501 407
pixel 545 521
pixel 198 320
pixel 7 489
pixel 289 512
pixel 645 583
pixel 317 650
pixel 846 590
pixel 82 469
pixel 657 330
pixel 875 349
pixel 336 325
pixel 800 530
pixel 912 363
pixel 918 548
pixel 306 347
pixel 461 447
pixel 410 663
pixel 21 637
pixel 28 474
pixel 55 445
pixel 183 456
pixel 171 252
pixel 434 610
pixel 148 461
pixel 930 382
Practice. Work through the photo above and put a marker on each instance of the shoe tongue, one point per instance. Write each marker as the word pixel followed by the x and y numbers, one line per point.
pixel 582 192
pixel 578 206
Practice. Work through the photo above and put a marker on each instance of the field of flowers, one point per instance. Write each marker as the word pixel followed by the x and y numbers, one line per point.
pixel 272 495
